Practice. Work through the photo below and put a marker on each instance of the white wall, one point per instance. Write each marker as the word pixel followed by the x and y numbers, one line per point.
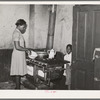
pixel 8 16
pixel 41 26
pixel 39 19
pixel 63 27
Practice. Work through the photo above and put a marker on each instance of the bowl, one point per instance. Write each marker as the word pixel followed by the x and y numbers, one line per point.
pixel 33 55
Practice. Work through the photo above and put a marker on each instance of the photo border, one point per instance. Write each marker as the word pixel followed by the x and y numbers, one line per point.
pixel 65 95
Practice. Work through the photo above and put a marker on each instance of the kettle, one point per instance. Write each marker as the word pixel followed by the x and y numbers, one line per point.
pixel 51 53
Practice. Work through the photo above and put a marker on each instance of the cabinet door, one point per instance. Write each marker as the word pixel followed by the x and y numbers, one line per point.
pixel 86 37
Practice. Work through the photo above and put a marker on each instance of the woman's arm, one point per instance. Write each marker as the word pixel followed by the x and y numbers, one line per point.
pixel 18 47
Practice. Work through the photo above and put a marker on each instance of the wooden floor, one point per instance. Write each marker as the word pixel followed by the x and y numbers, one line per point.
pixel 10 86
pixel 27 85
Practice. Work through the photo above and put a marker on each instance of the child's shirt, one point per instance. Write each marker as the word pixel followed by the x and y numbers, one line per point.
pixel 67 57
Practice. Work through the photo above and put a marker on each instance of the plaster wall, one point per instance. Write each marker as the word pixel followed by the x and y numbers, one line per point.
pixel 63 27
pixel 9 14
pixel 40 25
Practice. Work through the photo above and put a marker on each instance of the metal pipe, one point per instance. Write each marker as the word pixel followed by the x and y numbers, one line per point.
pixel 51 27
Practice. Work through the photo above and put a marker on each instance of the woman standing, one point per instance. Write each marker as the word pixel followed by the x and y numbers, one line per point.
pixel 18 62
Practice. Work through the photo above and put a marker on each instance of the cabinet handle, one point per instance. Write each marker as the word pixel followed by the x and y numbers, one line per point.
pixel 96 79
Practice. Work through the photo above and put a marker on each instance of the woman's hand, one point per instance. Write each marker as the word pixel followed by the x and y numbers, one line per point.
pixel 28 52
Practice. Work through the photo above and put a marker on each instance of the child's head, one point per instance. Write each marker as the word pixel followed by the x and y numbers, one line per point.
pixel 69 48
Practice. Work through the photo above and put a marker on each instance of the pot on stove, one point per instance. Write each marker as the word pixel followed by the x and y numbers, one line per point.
pixel 42 54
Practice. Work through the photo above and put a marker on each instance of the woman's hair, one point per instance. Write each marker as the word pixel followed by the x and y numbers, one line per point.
pixel 20 22
pixel 69 45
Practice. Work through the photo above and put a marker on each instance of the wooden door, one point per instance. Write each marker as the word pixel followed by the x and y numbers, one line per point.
pixel 85 38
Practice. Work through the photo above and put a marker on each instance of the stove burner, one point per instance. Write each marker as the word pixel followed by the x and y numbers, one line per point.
pixel 47 62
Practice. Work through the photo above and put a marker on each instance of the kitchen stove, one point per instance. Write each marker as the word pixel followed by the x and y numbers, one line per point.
pixel 46 70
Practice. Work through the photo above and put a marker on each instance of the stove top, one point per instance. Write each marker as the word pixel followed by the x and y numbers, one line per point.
pixel 51 61
pixel 47 62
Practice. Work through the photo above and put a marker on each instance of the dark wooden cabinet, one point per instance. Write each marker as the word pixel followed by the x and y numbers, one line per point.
pixel 85 38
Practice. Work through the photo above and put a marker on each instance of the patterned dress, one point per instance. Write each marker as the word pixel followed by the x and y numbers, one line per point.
pixel 18 61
